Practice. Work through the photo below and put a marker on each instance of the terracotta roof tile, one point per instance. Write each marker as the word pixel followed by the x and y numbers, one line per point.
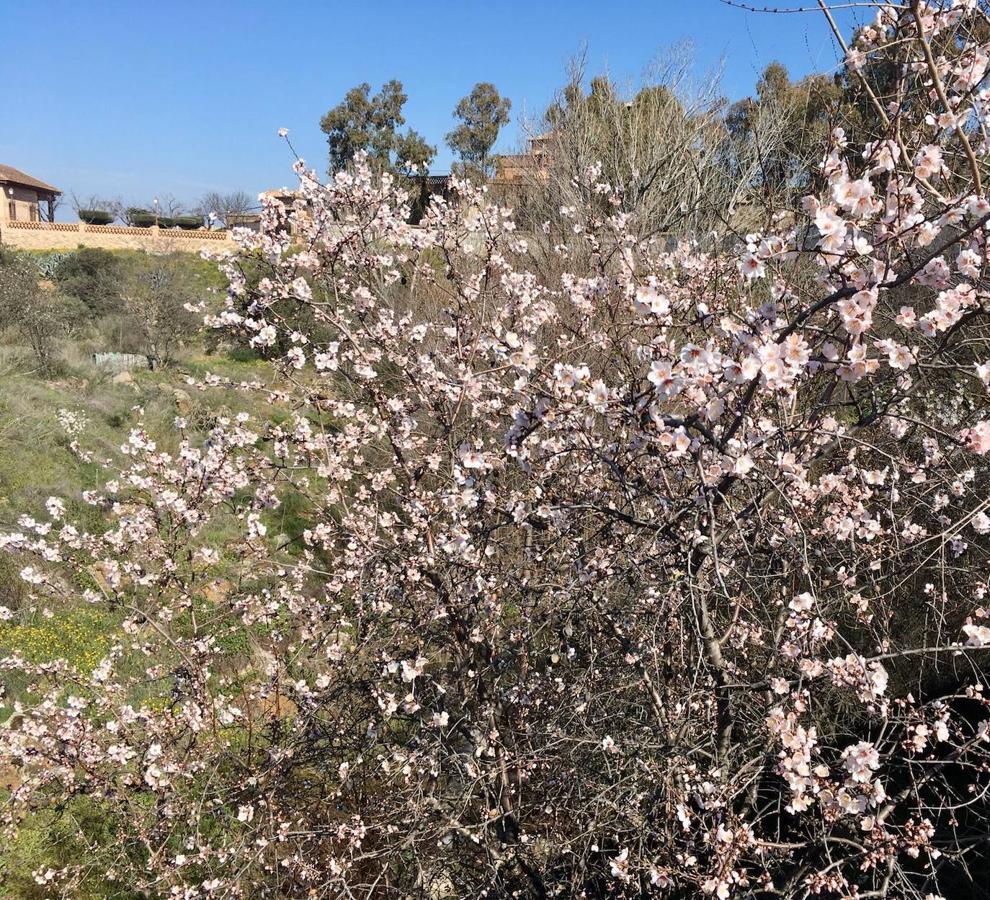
pixel 10 175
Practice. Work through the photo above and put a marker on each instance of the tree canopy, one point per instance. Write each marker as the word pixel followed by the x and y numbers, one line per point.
pixel 370 123
pixel 483 112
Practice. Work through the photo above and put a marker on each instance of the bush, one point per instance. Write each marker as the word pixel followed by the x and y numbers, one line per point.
pixel 41 315
pixel 50 263
pixel 96 216
pixel 92 276
pixel 141 218
pixel 188 223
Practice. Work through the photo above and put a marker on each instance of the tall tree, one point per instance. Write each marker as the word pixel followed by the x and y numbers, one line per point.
pixel 483 112
pixel 803 113
pixel 370 123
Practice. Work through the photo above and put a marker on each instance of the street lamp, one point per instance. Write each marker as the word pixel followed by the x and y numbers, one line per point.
pixel 155 202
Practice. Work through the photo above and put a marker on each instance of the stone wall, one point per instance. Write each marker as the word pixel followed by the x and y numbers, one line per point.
pixel 70 235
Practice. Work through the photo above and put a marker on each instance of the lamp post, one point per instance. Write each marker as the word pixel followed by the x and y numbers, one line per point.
pixel 155 202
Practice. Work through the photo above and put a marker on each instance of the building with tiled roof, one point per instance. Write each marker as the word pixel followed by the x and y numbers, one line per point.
pixel 25 198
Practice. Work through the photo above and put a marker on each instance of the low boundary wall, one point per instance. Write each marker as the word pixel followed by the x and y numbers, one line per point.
pixel 69 235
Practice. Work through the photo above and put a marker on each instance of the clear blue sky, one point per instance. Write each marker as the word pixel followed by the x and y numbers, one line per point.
pixel 142 97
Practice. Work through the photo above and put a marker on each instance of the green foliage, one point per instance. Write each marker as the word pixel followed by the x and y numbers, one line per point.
pixel 81 830
pixel 483 112
pixel 48 264
pixel 100 280
pixel 188 222
pixel 12 587
pixel 142 218
pixel 39 314
pixel 369 123
pixel 77 636
pixel 96 216
pixel 93 277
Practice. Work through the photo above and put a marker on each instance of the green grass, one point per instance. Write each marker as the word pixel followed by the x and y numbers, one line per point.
pixel 78 833
pixel 36 462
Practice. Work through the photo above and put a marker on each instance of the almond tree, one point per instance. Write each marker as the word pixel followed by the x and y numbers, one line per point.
pixel 663 578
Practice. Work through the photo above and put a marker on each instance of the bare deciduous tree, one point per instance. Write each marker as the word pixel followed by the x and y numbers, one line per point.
pixel 676 169
pixel 217 207
pixel 156 295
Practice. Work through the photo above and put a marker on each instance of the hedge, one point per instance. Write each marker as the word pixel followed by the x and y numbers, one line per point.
pixel 142 218
pixel 96 216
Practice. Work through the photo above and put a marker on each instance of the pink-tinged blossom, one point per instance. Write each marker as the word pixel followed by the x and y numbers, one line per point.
pixel 906 317
pixel 968 263
pixel 976 635
pixel 543 535
pixel 978 437
pixel 861 761
pixel 662 375
pixel 928 162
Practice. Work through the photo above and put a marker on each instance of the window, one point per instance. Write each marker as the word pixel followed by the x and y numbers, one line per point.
pixel 34 212
pixel 12 209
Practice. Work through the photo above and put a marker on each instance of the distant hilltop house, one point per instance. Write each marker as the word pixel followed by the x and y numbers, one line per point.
pixel 23 196
pixel 513 174
pixel 27 222
pixel 514 171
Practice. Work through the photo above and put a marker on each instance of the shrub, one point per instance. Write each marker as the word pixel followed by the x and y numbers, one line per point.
pixel 92 276
pixel 141 218
pixel 667 575
pixel 40 315
pixel 188 222
pixel 49 263
pixel 96 216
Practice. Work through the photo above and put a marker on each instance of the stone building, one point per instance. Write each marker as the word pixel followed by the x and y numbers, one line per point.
pixel 25 198
pixel 519 169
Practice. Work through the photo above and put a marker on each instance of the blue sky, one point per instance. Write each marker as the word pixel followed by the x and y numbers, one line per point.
pixel 134 99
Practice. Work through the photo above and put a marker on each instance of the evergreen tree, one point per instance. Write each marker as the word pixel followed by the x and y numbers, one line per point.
pixel 483 112
pixel 370 123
